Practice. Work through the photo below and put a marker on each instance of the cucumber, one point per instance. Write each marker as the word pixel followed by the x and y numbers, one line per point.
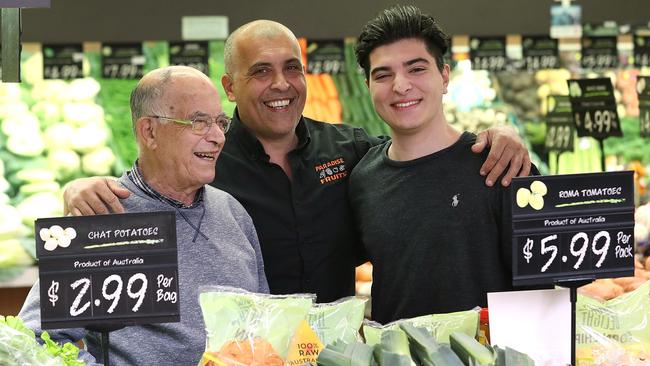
pixel 470 351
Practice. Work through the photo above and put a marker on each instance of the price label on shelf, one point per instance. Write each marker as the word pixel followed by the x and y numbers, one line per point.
pixel 599 53
pixel 641 51
pixel 326 56
pixel 569 227
pixel 193 54
pixel 559 124
pixel 488 53
pixel 643 89
pixel 119 269
pixel 63 61
pixel 540 52
pixel 594 108
pixel 122 60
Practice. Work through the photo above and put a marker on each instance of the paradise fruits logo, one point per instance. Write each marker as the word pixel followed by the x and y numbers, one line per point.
pixel 533 196
pixel 56 236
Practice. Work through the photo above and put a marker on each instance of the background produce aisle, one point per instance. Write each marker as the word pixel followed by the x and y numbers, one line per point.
pixel 53 131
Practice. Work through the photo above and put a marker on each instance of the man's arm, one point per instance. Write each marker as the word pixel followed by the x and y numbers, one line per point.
pixel 92 196
pixel 30 314
pixel 507 150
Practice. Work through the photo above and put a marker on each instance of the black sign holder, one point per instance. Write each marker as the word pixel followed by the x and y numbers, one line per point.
pixel 601 144
pixel 104 330
pixel 573 285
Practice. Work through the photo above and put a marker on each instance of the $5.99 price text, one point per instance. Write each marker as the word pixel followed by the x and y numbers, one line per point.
pixel 582 251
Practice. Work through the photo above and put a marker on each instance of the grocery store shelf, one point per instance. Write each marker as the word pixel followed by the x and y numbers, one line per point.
pixel 26 279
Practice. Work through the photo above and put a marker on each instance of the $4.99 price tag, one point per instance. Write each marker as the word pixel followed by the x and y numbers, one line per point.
pixel 567 227
pixel 108 270
pixel 594 108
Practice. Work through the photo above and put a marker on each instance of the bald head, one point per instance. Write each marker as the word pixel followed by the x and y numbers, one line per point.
pixel 146 98
pixel 265 29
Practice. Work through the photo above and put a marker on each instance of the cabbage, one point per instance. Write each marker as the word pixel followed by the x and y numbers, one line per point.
pixel 10 224
pixel 55 91
pixel 9 93
pixel 64 162
pixel 83 89
pixel 47 112
pixel 26 143
pixel 98 162
pixel 59 136
pixel 20 122
pixel 32 69
pixel 44 204
pixel 89 137
pixel 12 254
pixel 80 114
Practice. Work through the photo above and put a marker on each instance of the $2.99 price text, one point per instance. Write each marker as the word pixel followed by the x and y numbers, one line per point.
pixel 583 251
pixel 98 295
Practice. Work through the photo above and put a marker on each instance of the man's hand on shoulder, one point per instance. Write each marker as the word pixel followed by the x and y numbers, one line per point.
pixel 92 196
pixel 507 150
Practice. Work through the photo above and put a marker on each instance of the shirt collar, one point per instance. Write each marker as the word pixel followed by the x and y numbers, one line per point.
pixel 136 177
pixel 251 144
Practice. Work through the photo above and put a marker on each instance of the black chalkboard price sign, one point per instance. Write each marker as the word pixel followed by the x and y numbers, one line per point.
pixel 326 56
pixel 122 61
pixel 559 124
pixel 572 227
pixel 488 53
pixel 118 270
pixel 193 54
pixel 594 108
pixel 63 61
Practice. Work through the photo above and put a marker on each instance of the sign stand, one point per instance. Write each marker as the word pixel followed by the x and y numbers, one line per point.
pixel 573 285
pixel 601 143
pixel 104 330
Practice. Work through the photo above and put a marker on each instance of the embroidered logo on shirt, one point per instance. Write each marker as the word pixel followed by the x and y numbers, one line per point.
pixel 454 200
pixel 332 171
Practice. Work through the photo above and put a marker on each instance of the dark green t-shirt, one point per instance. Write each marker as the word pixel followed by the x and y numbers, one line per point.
pixel 437 236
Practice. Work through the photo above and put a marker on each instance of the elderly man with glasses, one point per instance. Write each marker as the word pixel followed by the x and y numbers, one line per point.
pixel 179 126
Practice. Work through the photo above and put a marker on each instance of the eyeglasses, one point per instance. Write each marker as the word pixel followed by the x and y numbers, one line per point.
pixel 202 124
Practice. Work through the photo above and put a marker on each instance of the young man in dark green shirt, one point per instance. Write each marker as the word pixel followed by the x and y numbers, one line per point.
pixel 437 237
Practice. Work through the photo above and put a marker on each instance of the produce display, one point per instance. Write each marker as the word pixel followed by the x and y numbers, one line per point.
pixel 18 346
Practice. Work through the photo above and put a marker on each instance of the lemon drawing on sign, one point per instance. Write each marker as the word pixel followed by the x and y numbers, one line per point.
pixel 533 196
pixel 56 236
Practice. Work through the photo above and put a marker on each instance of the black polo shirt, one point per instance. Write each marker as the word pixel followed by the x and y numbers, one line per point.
pixel 308 239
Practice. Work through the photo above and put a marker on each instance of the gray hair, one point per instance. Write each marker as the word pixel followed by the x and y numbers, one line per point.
pixel 146 98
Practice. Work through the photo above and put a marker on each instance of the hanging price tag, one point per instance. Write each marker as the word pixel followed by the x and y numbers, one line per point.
pixel 326 56
pixel 108 269
pixel 594 108
pixel 643 88
pixel 540 52
pixel 488 53
pixel 559 124
pixel 571 227
pixel 63 61
pixel 122 60
pixel 641 51
pixel 599 53
pixel 192 54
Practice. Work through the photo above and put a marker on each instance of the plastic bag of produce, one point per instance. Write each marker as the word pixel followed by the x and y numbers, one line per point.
pixel 614 332
pixel 326 323
pixel 18 346
pixel 439 325
pixel 245 328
